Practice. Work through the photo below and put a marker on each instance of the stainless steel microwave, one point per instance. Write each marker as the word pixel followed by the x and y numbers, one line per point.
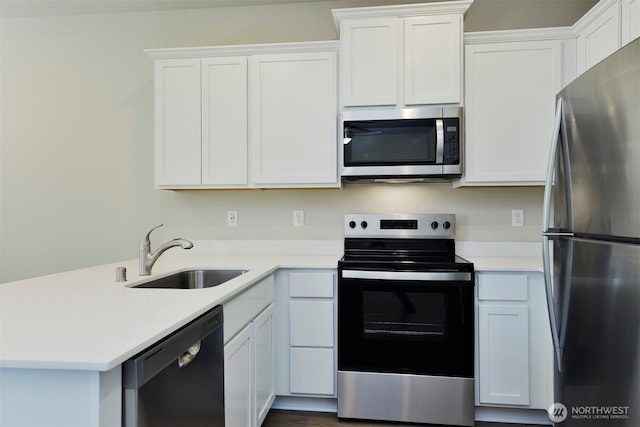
pixel 419 144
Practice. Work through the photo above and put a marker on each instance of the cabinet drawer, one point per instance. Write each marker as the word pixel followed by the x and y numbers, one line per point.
pixel 311 323
pixel 242 309
pixel 503 287
pixel 312 371
pixel 311 285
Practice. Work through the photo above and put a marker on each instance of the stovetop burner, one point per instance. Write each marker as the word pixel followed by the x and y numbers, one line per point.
pixel 401 242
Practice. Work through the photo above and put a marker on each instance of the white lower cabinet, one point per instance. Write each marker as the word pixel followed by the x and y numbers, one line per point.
pixel 249 355
pixel 306 331
pixel 264 333
pixel 238 372
pixel 514 349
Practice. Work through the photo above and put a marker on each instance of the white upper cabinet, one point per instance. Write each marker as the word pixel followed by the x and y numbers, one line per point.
pixel 224 121
pixel 401 55
pixel 205 136
pixel 177 122
pixel 609 25
pixel 293 119
pixel 433 59
pixel 368 69
pixel 630 20
pixel 599 34
pixel 511 79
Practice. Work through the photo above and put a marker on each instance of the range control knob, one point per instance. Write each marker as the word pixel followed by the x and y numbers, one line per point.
pixel 446 225
pixel 364 224
pixel 352 224
pixel 434 225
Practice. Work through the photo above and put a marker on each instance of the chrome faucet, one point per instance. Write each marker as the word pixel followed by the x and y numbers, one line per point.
pixel 147 258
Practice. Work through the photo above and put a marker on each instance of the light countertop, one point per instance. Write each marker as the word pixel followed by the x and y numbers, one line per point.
pixel 84 320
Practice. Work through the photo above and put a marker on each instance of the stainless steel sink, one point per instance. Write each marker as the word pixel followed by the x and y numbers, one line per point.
pixel 193 279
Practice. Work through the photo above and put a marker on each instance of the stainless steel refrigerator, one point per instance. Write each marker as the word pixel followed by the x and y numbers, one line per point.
pixel 591 244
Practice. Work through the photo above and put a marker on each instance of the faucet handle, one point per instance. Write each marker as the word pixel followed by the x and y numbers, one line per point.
pixel 146 240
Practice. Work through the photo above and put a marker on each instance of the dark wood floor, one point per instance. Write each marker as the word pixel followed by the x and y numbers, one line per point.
pixel 279 418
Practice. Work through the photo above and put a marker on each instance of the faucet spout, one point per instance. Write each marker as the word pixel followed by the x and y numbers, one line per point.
pixel 148 258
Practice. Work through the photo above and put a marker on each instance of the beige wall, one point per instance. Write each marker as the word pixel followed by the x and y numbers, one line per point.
pixel 76 152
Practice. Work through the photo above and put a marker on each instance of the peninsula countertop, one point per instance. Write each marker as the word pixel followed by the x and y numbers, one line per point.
pixel 85 320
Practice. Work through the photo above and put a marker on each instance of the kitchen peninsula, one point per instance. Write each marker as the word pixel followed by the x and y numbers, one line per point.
pixel 63 337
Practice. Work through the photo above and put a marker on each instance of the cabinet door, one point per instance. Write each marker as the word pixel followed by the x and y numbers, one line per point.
pixel 369 62
pixel 238 379
pixel 293 126
pixel 433 59
pixel 599 39
pixel 311 323
pixel 224 121
pixel 312 371
pixel 630 20
pixel 177 122
pixel 503 345
pixel 509 110
pixel 264 363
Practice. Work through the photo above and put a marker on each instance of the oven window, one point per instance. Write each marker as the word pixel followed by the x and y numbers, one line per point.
pixel 405 327
pixel 384 142
pixel 406 315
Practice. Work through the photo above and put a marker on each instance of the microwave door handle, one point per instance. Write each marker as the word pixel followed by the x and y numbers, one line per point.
pixel 439 141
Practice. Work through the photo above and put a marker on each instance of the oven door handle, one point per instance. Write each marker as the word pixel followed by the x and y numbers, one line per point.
pixel 407 275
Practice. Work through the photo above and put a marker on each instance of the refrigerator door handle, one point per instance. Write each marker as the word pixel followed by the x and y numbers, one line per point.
pixel 553 155
pixel 546 219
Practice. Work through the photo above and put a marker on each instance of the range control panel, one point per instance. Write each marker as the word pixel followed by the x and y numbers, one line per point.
pixel 417 226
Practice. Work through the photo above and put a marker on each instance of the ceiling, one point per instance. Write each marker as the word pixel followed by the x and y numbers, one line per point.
pixel 30 8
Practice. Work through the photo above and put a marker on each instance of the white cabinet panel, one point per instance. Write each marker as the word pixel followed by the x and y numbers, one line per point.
pixel 630 20
pixel 510 93
pixel 312 371
pixel 504 354
pixel 311 285
pixel 369 59
pixel 264 333
pixel 238 379
pixel 224 121
pixel 503 287
pixel 311 323
pixel 433 59
pixel 293 119
pixel 177 121
pixel 240 310
pixel 598 34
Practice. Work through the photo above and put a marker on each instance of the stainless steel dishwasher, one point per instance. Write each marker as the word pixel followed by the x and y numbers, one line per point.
pixel 178 381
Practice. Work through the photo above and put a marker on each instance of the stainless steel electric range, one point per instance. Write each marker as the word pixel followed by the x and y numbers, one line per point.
pixel 405 321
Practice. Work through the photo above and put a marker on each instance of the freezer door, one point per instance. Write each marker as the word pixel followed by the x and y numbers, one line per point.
pixel 601 123
pixel 596 298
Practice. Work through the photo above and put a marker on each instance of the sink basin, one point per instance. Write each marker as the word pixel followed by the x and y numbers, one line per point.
pixel 192 279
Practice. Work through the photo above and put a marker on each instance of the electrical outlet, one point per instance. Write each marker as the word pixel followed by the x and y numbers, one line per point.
pixel 517 217
pixel 232 218
pixel 298 218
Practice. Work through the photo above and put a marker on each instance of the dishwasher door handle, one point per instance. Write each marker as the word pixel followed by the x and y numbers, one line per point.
pixel 187 357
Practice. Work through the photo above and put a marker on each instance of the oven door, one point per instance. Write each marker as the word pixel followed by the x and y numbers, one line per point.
pixel 406 322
